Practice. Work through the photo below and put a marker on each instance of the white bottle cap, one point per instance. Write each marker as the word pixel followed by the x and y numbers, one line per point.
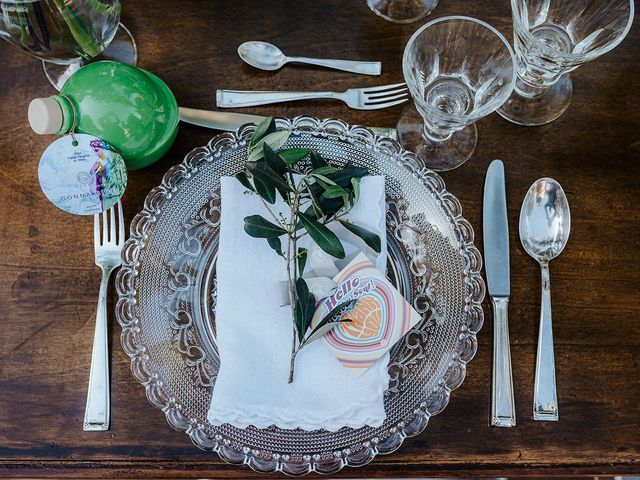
pixel 45 116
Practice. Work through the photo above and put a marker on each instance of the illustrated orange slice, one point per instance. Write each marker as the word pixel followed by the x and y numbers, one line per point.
pixel 366 319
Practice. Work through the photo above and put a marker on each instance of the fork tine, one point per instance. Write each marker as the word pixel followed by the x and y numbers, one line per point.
pixel 96 230
pixel 120 224
pixel 377 106
pixel 112 225
pixel 382 88
pixel 105 226
pixel 386 94
pixel 374 101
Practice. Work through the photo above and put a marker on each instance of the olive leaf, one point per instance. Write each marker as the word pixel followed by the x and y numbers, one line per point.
pixel 324 237
pixel 324 170
pixel 305 306
pixel 343 176
pixel 316 160
pixel 259 227
pixel 301 259
pixel 293 155
pixel 329 321
pixel 273 160
pixel 262 172
pixel 355 183
pixel 275 140
pixel 244 180
pixel 265 127
pixel 334 191
pixel 276 244
pixel 370 238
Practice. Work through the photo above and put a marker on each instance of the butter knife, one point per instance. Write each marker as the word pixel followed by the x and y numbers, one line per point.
pixel 230 121
pixel 496 257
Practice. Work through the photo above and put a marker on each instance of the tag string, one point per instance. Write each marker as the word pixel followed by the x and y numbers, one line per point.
pixel 72 131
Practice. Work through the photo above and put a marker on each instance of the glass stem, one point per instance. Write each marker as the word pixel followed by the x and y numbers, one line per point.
pixel 431 134
pixel 526 86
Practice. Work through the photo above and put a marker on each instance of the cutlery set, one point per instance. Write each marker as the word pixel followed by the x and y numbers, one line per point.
pixel 545 222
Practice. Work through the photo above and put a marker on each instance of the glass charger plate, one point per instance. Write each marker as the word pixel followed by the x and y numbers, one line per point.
pixel 167 296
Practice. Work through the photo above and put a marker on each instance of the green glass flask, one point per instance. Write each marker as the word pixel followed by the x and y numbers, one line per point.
pixel 128 107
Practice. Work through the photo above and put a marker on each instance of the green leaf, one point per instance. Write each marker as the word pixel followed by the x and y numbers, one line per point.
pixel 316 160
pixel 315 201
pixel 355 183
pixel 370 238
pixel 324 237
pixel 275 140
pixel 334 191
pixel 345 174
pixel 324 181
pixel 260 227
pixel 329 321
pixel 301 259
pixel 293 155
pixel 267 175
pixel 265 127
pixel 324 170
pixel 305 306
pixel 244 180
pixel 274 242
pixel 273 160
pixel 267 192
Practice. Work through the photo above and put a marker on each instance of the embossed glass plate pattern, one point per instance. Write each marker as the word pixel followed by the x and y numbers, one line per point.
pixel 167 294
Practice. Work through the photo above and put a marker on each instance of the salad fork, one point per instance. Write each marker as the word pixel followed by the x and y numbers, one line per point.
pixel 107 252
pixel 368 98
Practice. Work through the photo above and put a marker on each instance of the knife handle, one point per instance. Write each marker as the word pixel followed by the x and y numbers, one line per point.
pixel 503 411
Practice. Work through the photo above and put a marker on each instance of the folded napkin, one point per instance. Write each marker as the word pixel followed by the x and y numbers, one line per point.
pixel 254 332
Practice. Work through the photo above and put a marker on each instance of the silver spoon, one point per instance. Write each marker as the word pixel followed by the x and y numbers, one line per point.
pixel 545 222
pixel 267 56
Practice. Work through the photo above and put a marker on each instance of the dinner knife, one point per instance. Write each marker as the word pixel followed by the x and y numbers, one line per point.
pixel 230 121
pixel 496 257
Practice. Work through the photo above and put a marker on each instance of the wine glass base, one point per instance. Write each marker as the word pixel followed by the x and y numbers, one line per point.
pixel 402 11
pixel 539 110
pixel 438 156
pixel 122 48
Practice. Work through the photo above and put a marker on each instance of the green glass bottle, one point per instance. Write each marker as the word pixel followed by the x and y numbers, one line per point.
pixel 128 107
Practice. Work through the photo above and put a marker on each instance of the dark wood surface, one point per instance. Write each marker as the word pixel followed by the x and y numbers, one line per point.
pixel 49 284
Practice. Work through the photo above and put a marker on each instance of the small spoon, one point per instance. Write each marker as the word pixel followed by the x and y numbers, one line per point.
pixel 545 222
pixel 267 56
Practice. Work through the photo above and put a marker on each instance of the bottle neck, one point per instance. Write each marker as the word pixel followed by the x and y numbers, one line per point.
pixel 68 113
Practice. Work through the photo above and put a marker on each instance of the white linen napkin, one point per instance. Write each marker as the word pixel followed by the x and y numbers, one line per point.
pixel 254 332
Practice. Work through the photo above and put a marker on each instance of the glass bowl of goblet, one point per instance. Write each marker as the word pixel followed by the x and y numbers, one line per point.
pixel 458 70
pixel 553 38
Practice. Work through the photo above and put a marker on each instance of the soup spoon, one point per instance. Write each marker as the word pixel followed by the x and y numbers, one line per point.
pixel 267 56
pixel 545 222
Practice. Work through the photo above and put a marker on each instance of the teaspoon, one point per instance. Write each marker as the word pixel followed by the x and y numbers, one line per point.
pixel 267 56
pixel 545 222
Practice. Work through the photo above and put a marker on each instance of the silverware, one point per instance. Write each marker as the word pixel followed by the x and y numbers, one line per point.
pixel 231 121
pixel 496 257
pixel 369 98
pixel 107 252
pixel 545 222
pixel 267 56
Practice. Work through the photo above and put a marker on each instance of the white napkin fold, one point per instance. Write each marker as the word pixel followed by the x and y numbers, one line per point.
pixel 254 332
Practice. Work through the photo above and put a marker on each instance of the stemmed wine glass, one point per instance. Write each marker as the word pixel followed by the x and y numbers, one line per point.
pixel 402 11
pixel 458 70
pixel 553 38
pixel 66 34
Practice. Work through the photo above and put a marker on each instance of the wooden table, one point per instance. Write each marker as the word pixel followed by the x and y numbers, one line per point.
pixel 49 284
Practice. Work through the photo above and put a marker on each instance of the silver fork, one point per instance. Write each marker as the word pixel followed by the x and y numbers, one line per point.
pixel 369 98
pixel 107 250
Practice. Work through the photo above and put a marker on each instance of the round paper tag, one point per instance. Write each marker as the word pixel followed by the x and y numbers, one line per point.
pixel 84 179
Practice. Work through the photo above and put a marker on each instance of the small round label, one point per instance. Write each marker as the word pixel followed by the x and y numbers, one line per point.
pixel 84 179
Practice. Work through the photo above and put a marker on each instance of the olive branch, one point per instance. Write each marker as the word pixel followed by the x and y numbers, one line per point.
pixel 325 194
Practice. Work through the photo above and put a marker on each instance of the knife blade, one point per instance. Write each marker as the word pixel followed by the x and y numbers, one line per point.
pixel 496 256
pixel 230 121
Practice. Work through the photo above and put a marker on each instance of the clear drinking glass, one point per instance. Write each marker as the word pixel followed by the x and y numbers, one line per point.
pixel 553 38
pixel 402 11
pixel 458 70
pixel 65 34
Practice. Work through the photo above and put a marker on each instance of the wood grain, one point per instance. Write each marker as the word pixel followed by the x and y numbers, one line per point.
pixel 49 285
